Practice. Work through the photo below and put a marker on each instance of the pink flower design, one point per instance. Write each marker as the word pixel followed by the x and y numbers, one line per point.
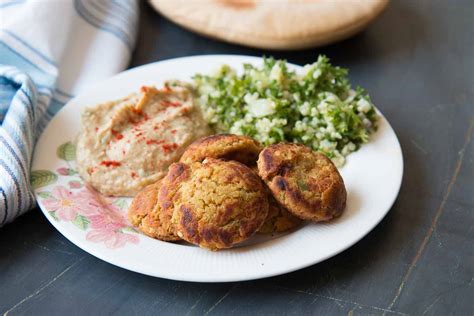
pixel 107 221
pixel 106 227
pixel 103 203
pixel 63 171
pixel 67 205
pixel 104 218
pixel 74 184
pixel 111 238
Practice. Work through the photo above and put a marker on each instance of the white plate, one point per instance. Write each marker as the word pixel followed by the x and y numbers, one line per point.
pixel 97 225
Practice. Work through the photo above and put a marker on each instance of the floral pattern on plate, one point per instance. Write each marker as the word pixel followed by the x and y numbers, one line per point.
pixel 67 198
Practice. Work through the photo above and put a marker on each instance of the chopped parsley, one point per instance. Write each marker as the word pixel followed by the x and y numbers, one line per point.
pixel 315 106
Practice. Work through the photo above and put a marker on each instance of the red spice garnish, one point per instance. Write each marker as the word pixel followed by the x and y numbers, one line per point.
pixel 133 174
pixel 155 127
pixel 116 134
pixel 169 103
pixel 110 163
pixel 96 129
pixel 154 141
pixel 139 134
pixel 173 131
pixel 169 147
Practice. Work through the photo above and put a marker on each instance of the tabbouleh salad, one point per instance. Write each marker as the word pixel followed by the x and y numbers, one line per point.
pixel 316 106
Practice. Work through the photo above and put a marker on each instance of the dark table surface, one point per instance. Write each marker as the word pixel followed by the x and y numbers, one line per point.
pixel 417 62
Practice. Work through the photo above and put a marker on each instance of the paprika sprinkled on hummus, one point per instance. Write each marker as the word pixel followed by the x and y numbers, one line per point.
pixel 128 143
pixel 110 163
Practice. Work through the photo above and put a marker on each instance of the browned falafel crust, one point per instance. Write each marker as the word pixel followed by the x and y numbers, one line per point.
pixel 306 183
pixel 224 146
pixel 145 214
pixel 278 220
pixel 215 203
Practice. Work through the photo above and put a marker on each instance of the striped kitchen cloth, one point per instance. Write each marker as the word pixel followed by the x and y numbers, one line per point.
pixel 50 50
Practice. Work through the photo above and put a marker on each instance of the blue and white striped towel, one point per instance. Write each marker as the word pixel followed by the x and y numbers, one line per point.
pixel 49 51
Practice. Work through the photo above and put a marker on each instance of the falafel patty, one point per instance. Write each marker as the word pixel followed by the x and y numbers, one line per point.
pixel 224 146
pixel 145 214
pixel 306 183
pixel 215 203
pixel 278 220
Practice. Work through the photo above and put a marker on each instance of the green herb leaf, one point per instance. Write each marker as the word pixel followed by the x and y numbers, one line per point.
pixel 316 106
pixel 44 194
pixel 54 216
pixel 66 151
pixel 81 222
pixel 129 229
pixel 302 185
pixel 41 178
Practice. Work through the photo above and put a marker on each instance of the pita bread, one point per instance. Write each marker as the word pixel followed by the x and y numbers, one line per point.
pixel 273 24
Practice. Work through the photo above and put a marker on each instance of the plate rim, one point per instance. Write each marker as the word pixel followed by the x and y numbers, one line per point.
pixel 76 240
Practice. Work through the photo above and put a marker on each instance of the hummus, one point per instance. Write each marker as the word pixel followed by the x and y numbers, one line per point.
pixel 129 143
